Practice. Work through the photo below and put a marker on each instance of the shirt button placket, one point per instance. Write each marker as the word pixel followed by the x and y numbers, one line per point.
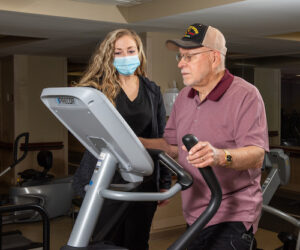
pixel 198 107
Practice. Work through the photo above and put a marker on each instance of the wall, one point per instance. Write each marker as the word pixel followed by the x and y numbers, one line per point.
pixel 23 78
pixel 162 69
pixel 32 74
pixel 90 10
pixel 7 117
pixel 170 216
pixel 7 89
pixel 290 95
pixel 162 65
pixel 268 81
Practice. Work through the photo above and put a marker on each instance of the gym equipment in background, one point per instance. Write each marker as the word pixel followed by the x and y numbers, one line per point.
pixel 37 187
pixel 278 165
pixel 14 240
pixel 169 98
pixel 109 138
pixel 15 152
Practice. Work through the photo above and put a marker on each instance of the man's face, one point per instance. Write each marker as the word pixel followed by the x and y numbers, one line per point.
pixel 195 65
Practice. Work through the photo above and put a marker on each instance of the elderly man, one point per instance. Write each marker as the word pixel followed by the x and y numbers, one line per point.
pixel 227 115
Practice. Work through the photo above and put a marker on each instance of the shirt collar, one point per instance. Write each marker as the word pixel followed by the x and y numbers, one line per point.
pixel 218 90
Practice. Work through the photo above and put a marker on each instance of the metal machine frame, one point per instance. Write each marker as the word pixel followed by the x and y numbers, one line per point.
pixel 94 121
pixel 279 165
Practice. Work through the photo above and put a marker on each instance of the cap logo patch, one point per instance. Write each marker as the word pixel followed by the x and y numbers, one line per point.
pixel 191 31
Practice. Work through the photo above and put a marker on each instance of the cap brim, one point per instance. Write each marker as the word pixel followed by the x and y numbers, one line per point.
pixel 175 44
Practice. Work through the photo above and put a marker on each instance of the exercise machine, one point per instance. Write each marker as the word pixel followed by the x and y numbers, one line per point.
pixel 14 240
pixel 38 187
pixel 278 165
pixel 94 121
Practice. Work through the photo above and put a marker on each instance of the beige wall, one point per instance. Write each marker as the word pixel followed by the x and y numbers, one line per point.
pixel 90 10
pixel 268 81
pixel 162 65
pixel 23 78
pixel 170 216
pixel 32 74
pixel 159 8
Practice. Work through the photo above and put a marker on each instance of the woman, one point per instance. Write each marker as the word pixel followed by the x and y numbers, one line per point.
pixel 118 70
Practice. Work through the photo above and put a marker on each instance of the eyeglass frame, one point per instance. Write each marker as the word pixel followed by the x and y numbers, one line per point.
pixel 188 57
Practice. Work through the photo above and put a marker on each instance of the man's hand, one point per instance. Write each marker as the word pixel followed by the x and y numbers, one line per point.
pixel 203 154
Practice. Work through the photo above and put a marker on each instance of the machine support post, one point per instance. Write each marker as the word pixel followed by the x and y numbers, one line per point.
pixel 93 200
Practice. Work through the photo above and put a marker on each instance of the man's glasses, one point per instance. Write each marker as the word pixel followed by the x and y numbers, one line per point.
pixel 188 57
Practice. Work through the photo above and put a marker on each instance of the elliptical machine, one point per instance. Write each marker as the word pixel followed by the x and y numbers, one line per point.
pixel 109 138
pixel 278 164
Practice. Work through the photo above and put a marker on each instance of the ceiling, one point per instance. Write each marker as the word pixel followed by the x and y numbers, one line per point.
pixel 253 28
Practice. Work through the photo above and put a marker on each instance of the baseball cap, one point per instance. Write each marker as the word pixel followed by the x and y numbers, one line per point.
pixel 199 35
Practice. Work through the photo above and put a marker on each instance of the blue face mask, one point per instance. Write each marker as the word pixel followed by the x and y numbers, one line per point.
pixel 126 65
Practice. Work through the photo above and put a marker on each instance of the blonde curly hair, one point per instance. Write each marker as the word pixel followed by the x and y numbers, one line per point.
pixel 101 74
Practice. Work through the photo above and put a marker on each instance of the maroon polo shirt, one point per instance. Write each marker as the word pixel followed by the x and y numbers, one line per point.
pixel 231 116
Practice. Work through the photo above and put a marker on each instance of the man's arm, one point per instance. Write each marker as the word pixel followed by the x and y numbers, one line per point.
pixel 160 143
pixel 204 154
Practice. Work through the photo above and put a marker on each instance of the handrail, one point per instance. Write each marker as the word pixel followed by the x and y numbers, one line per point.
pixel 37 146
pixel 291 150
pixel 215 201
pixel 33 206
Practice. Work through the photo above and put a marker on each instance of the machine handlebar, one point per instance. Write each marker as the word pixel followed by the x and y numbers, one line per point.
pixel 16 144
pixel 183 177
pixel 216 197
pixel 15 152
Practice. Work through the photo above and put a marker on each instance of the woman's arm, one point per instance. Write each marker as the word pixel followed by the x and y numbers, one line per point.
pixel 160 143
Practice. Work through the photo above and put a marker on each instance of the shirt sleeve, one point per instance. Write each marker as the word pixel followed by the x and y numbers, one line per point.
pixel 161 115
pixel 170 130
pixel 251 123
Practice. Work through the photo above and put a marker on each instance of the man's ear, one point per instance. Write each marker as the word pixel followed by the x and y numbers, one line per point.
pixel 216 58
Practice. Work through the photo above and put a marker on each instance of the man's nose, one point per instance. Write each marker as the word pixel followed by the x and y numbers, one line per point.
pixel 181 63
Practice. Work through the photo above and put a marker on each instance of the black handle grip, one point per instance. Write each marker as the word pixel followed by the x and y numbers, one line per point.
pixel 183 177
pixel 16 146
pixel 216 197
pixel 189 141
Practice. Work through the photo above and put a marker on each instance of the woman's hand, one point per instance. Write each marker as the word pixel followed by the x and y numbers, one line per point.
pixel 172 151
pixel 160 143
pixel 164 202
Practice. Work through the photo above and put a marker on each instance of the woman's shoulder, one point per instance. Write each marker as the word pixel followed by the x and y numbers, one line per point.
pixel 150 84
